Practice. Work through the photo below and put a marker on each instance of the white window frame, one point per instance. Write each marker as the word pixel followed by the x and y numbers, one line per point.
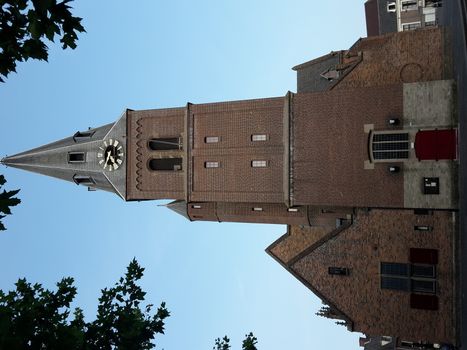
pixel 212 139
pixel 259 163
pixel 211 164
pixel 409 24
pixel 259 137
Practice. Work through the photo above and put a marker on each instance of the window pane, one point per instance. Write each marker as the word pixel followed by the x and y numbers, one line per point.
pixel 76 157
pixel 211 164
pixel 164 144
pixel 395 283
pixel 259 137
pixel 390 137
pixel 342 271
pixel 211 139
pixel 395 269
pixel 428 271
pixel 259 163
pixel 173 164
pixel 423 286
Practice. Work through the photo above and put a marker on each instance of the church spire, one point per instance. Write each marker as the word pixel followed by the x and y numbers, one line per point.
pixel 94 158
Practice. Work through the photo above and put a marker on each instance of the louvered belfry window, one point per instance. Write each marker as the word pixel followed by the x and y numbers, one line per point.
pixel 390 146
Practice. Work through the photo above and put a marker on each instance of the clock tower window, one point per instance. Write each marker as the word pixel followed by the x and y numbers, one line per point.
pixel 76 157
pixel 166 164
pixel 165 144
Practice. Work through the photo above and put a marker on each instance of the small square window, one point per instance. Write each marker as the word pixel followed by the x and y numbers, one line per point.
pixel 259 163
pixel 259 137
pixel 83 180
pixel 211 139
pixel 340 271
pixel 76 157
pixel 211 164
pixel 423 228
pixel 431 185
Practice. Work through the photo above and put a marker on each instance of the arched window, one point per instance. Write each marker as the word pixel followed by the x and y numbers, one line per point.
pixel 165 144
pixel 167 164
pixel 389 146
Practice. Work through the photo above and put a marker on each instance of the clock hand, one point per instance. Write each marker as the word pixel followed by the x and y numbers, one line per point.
pixel 108 156
pixel 112 159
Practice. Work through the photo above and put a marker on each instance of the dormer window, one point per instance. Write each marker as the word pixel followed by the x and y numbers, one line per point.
pixel 330 74
pixel 84 180
pixel 81 136
pixel 165 144
pixel 76 157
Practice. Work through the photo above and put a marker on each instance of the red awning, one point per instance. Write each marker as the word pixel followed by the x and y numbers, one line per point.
pixel 436 144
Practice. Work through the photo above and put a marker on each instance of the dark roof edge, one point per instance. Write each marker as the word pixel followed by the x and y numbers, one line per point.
pixel 317 60
pixel 319 243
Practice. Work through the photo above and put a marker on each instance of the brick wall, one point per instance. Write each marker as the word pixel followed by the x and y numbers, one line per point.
pixel 386 59
pixel 143 183
pixel 330 148
pixel 234 123
pixel 385 236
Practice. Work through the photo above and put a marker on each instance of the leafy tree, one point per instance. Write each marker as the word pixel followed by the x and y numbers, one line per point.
pixel 24 24
pixel 32 317
pixel 249 343
pixel 7 200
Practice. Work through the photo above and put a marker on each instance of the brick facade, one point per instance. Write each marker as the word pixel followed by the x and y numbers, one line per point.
pixel 374 237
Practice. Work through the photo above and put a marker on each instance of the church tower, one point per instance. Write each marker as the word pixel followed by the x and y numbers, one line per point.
pixel 363 131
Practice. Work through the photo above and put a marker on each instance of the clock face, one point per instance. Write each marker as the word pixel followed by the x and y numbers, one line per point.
pixel 110 155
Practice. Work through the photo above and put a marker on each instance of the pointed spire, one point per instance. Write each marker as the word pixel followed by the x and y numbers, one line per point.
pixel 180 207
pixel 81 158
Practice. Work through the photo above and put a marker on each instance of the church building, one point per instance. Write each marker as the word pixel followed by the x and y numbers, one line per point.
pixel 360 163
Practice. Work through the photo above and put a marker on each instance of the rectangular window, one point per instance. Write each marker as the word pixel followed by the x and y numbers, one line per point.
pixel 211 139
pixel 411 26
pixel 292 210
pixel 165 144
pixel 394 269
pixel 340 271
pixel 424 286
pixel 83 180
pixel 211 164
pixel 422 228
pixel 259 163
pixel 76 157
pixel 386 146
pixel 395 283
pixel 166 164
pixel 409 5
pixel 196 206
pixel 259 137
pixel 257 209
pixel 427 271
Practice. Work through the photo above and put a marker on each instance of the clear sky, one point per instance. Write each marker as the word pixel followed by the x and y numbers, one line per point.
pixel 216 278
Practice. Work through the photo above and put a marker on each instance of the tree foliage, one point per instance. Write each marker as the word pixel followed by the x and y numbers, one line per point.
pixel 7 200
pixel 249 343
pixel 32 317
pixel 25 24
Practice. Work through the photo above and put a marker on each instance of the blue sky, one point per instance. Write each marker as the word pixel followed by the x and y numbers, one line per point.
pixel 215 278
